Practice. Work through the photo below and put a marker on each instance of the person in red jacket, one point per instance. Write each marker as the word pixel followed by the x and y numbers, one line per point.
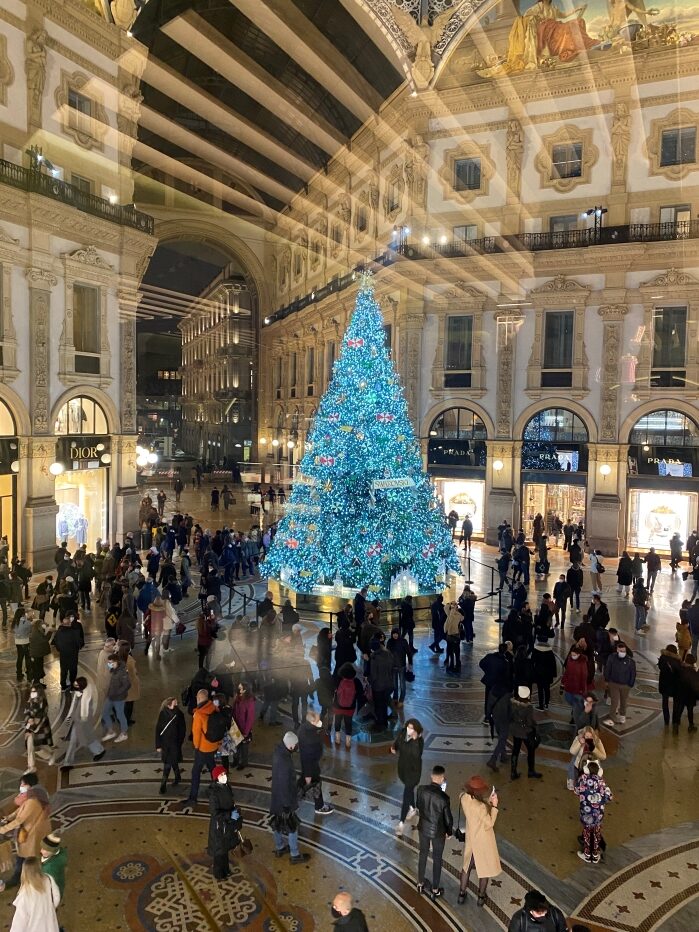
pixel 244 717
pixel 574 679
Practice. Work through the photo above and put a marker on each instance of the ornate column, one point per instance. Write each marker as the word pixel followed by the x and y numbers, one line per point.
pixel 507 326
pixel 125 494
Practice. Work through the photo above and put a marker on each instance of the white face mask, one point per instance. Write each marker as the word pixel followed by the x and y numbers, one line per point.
pixel 23 788
pixel 621 653
pixel 223 778
pixel 33 694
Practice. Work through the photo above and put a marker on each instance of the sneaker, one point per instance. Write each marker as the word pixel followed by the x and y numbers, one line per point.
pixel 609 722
pixel 122 737
pixel 621 719
pixel 584 857
pixel 570 785
pixel 280 852
pixel 325 810
pixel 412 814
pixel 299 858
pixel 399 828
pixel 596 858
pixel 641 632
pixel 109 736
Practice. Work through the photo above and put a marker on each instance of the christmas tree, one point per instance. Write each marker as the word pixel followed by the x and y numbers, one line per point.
pixel 362 510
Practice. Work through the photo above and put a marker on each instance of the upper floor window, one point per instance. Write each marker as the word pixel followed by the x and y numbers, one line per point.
pixel 81 415
pixel 388 336
pixel 465 232
pixel 80 111
pixel 292 374
pixel 392 196
pixel 336 232
pixel 678 146
pixel 330 350
pixel 86 328
pixel 558 349
pixel 310 370
pixel 563 223
pixel 669 347
pixel 82 184
pixel 566 160
pixel 467 174
pixel 459 346
pixel 277 375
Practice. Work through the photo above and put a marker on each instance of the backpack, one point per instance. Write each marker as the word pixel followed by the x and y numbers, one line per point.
pixel 216 727
pixel 345 693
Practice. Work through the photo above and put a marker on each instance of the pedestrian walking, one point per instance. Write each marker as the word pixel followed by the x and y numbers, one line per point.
pixel 36 901
pixel 408 746
pixel 523 731
pixel 67 642
pixel 398 648
pixel 347 917
pixel 620 676
pixel 284 802
pixel 479 804
pixel 435 824
pixel 170 730
pixel 225 823
pixel 38 739
pixel 81 723
pixel 439 617
pixel 117 692
pixel 653 567
pixel 244 717
pixel 593 794
pixel 208 728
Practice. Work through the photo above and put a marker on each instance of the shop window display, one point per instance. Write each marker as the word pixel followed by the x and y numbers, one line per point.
pixel 81 498
pixel 555 440
pixel 654 516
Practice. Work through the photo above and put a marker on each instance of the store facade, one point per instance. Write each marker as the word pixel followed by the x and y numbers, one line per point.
pixel 457 460
pixel 662 479
pixel 82 473
pixel 9 467
pixel 554 468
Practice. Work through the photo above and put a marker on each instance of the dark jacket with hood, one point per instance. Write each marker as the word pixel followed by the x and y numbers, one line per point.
pixel 669 666
pixel 284 792
pixel 545 666
pixel 310 749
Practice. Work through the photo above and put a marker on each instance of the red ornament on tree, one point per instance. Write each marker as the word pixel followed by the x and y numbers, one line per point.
pixel 385 418
pixel 374 550
pixel 355 343
pixel 292 543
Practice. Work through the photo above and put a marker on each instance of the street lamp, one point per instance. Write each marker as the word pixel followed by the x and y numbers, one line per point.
pixel 596 213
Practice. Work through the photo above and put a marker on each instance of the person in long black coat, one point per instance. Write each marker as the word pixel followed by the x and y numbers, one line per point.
pixel 409 745
pixel 170 730
pixel 223 824
pixel 311 745
pixel 284 800
pixel 345 651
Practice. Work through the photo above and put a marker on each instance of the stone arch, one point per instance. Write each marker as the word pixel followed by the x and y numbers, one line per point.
pixel 648 407
pixel 17 409
pixel 224 240
pixel 443 406
pixel 99 397
pixel 572 406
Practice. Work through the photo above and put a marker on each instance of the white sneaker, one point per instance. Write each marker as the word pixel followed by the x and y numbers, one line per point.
pixel 109 736
pixel 399 828
pixel 412 814
pixel 570 785
pixel 609 722
pixel 122 737
pixel 621 719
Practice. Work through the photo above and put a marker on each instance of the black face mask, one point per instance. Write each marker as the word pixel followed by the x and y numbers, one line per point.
pixel 336 913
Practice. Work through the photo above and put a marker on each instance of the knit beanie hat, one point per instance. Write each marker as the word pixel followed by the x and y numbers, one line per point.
pixel 218 771
pixel 290 741
pixel 51 843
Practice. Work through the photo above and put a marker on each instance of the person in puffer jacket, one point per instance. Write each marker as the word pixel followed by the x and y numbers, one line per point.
pixel 117 691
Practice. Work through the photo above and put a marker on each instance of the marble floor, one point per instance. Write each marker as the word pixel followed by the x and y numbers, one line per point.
pixel 140 857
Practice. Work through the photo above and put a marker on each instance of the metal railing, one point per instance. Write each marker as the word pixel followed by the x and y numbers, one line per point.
pixel 36 182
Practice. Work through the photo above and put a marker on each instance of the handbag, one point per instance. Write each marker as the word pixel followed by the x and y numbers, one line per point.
pixel 235 734
pixel 244 845
pixel 459 833
pixel 308 790
pixel 180 628
pixel 600 569
pixel 409 676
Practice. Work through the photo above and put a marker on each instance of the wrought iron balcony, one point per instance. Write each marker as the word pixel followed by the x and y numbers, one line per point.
pixel 36 182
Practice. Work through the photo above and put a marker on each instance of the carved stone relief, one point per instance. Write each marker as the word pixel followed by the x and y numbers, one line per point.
pixel 613 316
pixel 507 326
pixel 40 283
pixel 35 67
pixel 7 72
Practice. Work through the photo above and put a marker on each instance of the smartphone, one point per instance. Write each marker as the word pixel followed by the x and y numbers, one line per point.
pixel 492 791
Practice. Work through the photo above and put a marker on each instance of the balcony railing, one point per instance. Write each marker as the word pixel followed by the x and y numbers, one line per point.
pixel 35 182
pixel 492 245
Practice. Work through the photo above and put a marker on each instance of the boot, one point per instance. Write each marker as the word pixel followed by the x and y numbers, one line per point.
pixel 163 786
pixel 513 768
pixel 492 764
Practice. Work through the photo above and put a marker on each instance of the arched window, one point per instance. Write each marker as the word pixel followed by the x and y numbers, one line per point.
pixel 555 440
pixel 665 428
pixel 80 415
pixel 7 421
pixel 457 438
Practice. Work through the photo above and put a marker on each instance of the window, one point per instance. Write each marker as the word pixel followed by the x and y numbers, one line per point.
pixel 292 374
pixel 676 221
pixel 392 197
pixel 278 377
pixel 80 415
pixel 678 146
pixel 665 429
pixel 82 184
pixel 563 224
pixel 80 112
pixel 466 232
pixel 457 438
pixel 459 344
pixel 566 160
pixel 669 342
pixel 558 349
pixel 86 328
pixel 555 439
pixel 330 350
pixel 361 219
pixel 388 336
pixel 310 370
pixel 467 174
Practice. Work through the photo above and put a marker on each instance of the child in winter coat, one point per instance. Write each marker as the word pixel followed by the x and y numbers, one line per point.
pixel 594 794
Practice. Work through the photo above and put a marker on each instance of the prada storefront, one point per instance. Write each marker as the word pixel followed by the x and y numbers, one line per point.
pixel 83 455
pixel 663 480
pixel 456 460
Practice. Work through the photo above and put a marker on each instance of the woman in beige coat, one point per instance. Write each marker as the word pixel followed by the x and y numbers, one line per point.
pixel 587 745
pixel 479 804
pixel 32 823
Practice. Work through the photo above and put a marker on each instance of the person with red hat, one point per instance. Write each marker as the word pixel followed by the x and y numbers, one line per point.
pixel 479 804
pixel 225 823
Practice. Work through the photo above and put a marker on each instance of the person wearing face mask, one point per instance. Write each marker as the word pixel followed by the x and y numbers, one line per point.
pixel 523 731
pixel 244 717
pixel 574 679
pixel 620 676
pixel 225 822
pixel 586 716
pixel 66 640
pixel 117 691
pixel 587 745
pixel 479 804
pixel 81 720
pixel 30 823
pixel 37 726
pixel 311 743
pixel 537 915
pixel 593 794
pixel 435 824
pixel 347 917
pixel 409 745
pixel 170 730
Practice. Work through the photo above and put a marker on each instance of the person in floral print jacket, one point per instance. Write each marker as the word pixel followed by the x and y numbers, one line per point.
pixel 594 794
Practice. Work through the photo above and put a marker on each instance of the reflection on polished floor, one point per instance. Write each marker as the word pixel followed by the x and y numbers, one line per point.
pixel 122 836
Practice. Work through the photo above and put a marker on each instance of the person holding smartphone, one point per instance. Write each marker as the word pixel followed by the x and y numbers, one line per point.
pixel 479 804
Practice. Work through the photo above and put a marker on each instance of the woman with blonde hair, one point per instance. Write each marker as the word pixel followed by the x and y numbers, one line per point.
pixel 587 745
pixel 37 899
pixel 479 804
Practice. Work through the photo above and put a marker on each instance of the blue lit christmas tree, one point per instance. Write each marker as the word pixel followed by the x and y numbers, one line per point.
pixel 362 510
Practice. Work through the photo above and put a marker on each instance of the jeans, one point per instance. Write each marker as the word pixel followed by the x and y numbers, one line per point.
pixel 650 580
pixel 500 752
pixel 298 699
pixel 22 658
pixel 408 801
pixel 399 685
pixel 574 701
pixel 116 706
pixel 640 616
pixel 201 759
pixel 293 837
pixel 575 594
pixel 453 654
pixel 437 854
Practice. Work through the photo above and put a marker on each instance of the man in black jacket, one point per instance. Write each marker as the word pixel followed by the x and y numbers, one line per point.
pixel 381 680
pixel 284 801
pixel 347 917
pixel 311 743
pixel 67 642
pixel 360 607
pixel 497 669
pixel 537 915
pixel 406 622
pixel 434 825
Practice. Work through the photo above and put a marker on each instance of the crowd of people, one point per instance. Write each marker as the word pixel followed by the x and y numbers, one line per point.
pixel 362 674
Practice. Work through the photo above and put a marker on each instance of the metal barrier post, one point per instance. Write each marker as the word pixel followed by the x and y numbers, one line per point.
pixel 468 568
pixel 492 581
